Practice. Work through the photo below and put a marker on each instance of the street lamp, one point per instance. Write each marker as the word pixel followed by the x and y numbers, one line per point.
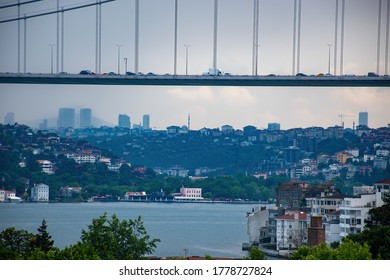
pixel 329 45
pixel 125 59
pixel 51 57
pixel 119 58
pixel 187 46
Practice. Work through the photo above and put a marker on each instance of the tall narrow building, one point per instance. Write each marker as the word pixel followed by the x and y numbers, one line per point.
pixel 124 121
pixel 66 118
pixel 146 122
pixel 85 117
pixel 363 118
pixel 9 118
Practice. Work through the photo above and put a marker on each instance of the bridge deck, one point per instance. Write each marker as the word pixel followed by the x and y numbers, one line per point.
pixel 198 80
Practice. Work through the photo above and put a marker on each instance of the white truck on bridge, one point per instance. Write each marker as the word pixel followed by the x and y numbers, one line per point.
pixel 213 72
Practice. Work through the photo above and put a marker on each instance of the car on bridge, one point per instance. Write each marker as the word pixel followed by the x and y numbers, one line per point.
pixel 86 72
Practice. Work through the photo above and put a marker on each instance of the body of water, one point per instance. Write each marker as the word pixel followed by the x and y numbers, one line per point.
pixel 199 228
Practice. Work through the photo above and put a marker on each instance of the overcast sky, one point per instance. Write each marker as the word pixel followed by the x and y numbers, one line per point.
pixel 208 106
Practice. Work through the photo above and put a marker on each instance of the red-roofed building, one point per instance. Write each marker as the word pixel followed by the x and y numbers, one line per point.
pixel 291 230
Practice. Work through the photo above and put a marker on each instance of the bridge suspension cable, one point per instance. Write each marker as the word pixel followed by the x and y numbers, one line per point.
pixel 19 4
pixel 55 11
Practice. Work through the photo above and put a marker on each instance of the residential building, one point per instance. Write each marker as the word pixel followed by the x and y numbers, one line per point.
pixel 124 121
pixel 46 165
pixel 66 118
pixel 146 122
pixel 8 196
pixel 293 195
pixel 291 230
pixel 85 118
pixel 40 193
pixel 69 191
pixel 342 157
pixel 332 227
pixel 257 224
pixel 320 206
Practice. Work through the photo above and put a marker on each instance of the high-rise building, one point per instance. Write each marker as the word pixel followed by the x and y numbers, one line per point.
pixel 124 121
pixel 146 122
pixel 85 117
pixel 9 118
pixel 363 118
pixel 274 126
pixel 66 117
pixel 43 125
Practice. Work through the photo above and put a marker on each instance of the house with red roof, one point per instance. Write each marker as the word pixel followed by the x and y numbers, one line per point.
pixel 291 230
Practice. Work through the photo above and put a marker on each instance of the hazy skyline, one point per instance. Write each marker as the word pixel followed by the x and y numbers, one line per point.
pixel 208 106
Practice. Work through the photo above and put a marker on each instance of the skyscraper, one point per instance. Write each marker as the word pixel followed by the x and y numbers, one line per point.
pixel 66 117
pixel 363 118
pixel 85 117
pixel 273 126
pixel 146 122
pixel 124 121
pixel 9 118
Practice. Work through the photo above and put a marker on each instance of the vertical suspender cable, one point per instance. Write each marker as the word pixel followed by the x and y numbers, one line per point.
pixel 335 37
pixel 215 33
pixel 175 43
pixel 378 49
pixel 136 41
pixel 294 36
pixel 299 36
pixel 387 38
pixel 342 38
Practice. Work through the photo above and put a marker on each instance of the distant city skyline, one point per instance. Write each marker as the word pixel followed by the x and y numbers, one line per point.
pixel 85 119
pixel 364 50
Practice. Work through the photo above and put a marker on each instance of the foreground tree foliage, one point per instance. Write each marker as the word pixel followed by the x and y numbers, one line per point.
pixel 105 239
pixel 113 239
pixel 377 231
pixel 255 254
pixel 348 250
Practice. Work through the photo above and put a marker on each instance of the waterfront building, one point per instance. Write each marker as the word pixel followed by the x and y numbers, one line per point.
pixel 291 230
pixel 85 117
pixel 189 194
pixel 40 193
pixel 257 224
pixel 66 118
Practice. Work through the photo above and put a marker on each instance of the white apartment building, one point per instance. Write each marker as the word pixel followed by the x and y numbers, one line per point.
pixel 291 230
pixel 82 158
pixel 320 206
pixel 40 193
pixel 354 210
pixel 46 165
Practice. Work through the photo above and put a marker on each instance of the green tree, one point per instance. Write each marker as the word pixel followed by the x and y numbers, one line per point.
pixel 348 250
pixel 15 244
pixel 380 216
pixel 42 239
pixel 255 254
pixel 112 239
